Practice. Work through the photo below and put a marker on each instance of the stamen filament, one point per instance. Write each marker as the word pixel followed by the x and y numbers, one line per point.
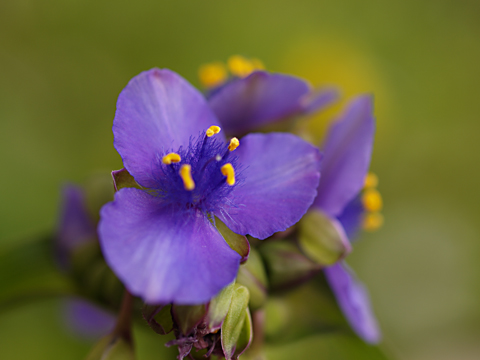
pixel 233 144
pixel 171 158
pixel 229 172
pixel 212 130
pixel 186 175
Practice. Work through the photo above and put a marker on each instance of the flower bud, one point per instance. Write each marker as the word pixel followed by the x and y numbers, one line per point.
pixel 236 333
pixel 322 238
pixel 286 265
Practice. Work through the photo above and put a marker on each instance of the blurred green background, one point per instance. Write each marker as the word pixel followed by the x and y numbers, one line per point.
pixel 63 64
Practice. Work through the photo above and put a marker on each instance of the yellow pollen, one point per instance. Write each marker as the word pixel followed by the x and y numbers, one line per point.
pixel 372 200
pixel 212 130
pixel 371 180
pixel 171 158
pixel 233 144
pixel 372 221
pixel 229 172
pixel 212 74
pixel 186 175
pixel 240 66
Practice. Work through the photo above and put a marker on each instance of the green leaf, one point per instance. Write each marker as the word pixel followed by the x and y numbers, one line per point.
pixel 232 326
pixel 237 242
pixel 218 307
pixel 322 239
pixel 252 275
pixel 28 271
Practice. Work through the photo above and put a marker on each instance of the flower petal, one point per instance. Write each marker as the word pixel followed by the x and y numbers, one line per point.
pixel 158 110
pixel 164 254
pixel 354 301
pixel 347 151
pixel 351 217
pixel 318 99
pixel 259 99
pixel 281 175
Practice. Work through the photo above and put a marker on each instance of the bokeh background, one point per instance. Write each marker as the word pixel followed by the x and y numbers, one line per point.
pixel 63 63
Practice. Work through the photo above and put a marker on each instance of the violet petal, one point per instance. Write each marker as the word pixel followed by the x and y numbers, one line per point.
pixel 354 301
pixel 163 253
pixel 347 152
pixel 259 99
pixel 281 175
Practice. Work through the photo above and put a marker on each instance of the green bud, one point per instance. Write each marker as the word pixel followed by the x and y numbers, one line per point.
pixel 237 242
pixel 252 275
pixel 188 316
pixel 123 179
pixel 218 308
pixel 112 347
pixel 159 318
pixel 236 334
pixel 286 264
pixel 322 238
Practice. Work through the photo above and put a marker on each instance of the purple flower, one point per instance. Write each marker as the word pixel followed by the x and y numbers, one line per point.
pixel 347 151
pixel 162 241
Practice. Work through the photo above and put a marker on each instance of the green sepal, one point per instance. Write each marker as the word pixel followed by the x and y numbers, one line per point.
pixel 188 316
pixel 286 265
pixel 322 238
pixel 218 307
pixel 112 347
pixel 235 338
pixel 252 275
pixel 123 179
pixel 159 318
pixel 237 242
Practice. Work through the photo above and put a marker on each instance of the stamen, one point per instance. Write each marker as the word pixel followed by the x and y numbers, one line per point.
pixel 229 172
pixel 171 158
pixel 372 200
pixel 212 74
pixel 186 175
pixel 240 66
pixel 372 221
pixel 371 180
pixel 212 130
pixel 233 144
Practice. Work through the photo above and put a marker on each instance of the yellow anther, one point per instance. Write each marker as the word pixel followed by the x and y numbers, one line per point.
pixel 171 158
pixel 212 74
pixel 372 200
pixel 229 172
pixel 186 175
pixel 240 66
pixel 371 181
pixel 212 130
pixel 233 144
pixel 258 64
pixel 372 221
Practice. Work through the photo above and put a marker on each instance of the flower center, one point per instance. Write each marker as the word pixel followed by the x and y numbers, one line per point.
pixel 201 175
